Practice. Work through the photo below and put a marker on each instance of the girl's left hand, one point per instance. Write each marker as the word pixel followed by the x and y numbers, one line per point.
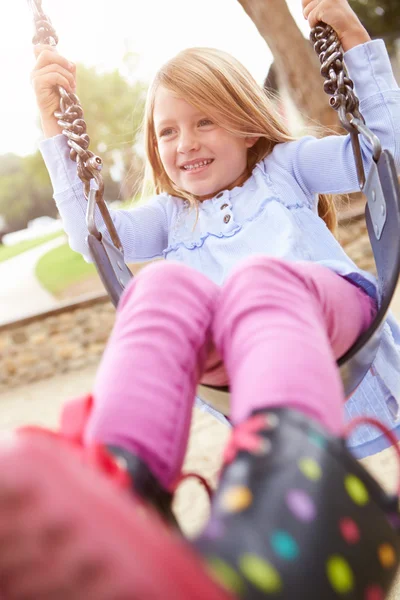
pixel 340 16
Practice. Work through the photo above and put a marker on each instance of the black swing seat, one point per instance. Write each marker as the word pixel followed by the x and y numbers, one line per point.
pixel 382 214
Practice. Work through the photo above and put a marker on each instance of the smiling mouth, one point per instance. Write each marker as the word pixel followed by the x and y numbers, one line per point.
pixel 197 165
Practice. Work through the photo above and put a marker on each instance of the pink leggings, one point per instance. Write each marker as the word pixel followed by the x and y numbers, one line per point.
pixel 278 327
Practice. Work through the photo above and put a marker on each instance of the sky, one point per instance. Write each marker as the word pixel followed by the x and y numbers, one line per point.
pixel 99 32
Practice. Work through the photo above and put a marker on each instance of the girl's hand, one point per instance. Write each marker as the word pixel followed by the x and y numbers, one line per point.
pixel 340 16
pixel 51 70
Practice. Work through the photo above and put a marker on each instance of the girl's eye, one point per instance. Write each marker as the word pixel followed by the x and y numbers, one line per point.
pixel 165 132
pixel 204 122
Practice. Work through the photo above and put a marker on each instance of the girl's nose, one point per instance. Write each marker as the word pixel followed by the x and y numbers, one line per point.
pixel 187 143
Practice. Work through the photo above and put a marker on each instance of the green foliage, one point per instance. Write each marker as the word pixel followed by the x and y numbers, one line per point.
pixel 25 190
pixel 61 267
pixel 380 17
pixel 113 110
pixel 9 164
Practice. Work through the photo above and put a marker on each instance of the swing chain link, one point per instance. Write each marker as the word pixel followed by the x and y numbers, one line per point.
pixel 70 117
pixel 337 82
pixel 343 99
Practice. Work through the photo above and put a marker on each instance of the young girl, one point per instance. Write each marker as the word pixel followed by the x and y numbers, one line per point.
pixel 256 292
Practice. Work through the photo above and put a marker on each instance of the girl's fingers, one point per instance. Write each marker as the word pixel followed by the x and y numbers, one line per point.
pixel 38 48
pixel 48 56
pixel 52 75
pixel 314 17
pixel 307 10
pixel 54 80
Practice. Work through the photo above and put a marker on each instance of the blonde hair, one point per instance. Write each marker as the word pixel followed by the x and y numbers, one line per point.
pixel 217 84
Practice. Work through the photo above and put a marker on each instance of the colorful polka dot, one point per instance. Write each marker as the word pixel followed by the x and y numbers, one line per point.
pixel 301 505
pixel 317 439
pixel 374 592
pixel 310 468
pixel 394 520
pixel 356 490
pixel 225 575
pixel 236 499
pixel 340 574
pixel 349 530
pixel 215 529
pixel 284 545
pixel 260 573
pixel 387 556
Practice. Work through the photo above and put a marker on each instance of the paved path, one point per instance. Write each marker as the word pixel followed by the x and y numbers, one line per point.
pixel 21 294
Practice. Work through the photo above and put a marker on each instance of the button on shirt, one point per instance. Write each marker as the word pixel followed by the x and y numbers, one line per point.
pixel 273 213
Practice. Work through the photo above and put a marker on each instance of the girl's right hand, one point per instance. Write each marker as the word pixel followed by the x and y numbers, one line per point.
pixel 51 70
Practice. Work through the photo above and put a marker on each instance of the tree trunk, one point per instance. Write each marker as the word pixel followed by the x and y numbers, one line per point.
pixel 295 59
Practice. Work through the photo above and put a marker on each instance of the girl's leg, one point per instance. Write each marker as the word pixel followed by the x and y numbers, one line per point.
pixel 292 514
pixel 280 327
pixel 71 527
pixel 145 386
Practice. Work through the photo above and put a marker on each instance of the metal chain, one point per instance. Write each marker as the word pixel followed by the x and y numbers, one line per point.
pixel 340 87
pixel 70 118
pixel 337 82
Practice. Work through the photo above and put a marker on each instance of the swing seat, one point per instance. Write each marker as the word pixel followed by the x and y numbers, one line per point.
pixel 109 261
pixel 382 215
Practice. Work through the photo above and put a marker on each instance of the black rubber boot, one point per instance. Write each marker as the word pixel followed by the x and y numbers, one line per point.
pixel 296 517
pixel 146 484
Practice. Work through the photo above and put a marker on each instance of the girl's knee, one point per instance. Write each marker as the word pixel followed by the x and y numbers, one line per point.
pixel 161 279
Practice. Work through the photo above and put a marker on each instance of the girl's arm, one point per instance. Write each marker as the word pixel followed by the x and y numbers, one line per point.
pixel 327 165
pixel 143 231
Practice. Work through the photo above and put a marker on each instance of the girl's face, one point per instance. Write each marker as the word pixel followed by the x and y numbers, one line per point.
pixel 198 156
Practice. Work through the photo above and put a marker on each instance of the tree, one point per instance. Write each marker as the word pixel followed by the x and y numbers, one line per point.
pixel 381 18
pixel 113 110
pixel 25 190
pixel 297 65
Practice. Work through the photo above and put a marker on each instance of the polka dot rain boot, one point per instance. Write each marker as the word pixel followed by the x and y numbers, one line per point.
pixel 296 517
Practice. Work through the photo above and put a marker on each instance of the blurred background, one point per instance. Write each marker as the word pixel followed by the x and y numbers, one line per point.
pixel 55 317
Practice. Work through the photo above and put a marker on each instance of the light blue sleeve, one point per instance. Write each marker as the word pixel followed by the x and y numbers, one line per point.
pixel 327 165
pixel 143 230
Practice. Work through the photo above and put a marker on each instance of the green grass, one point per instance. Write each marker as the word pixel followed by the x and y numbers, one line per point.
pixel 7 252
pixel 62 267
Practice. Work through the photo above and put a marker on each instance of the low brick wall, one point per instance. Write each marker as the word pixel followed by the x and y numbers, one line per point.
pixel 73 336
pixel 65 339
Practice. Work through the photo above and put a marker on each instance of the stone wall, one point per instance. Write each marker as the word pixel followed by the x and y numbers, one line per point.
pixel 73 336
pixel 65 339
